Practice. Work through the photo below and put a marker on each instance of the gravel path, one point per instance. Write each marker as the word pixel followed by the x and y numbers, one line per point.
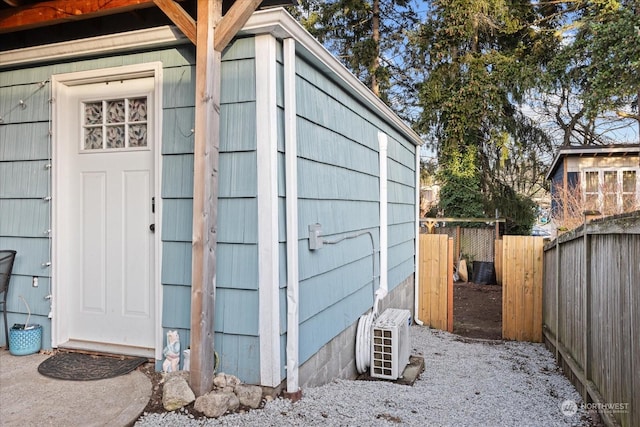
pixel 464 384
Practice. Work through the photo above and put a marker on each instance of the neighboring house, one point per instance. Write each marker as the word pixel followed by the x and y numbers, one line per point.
pixel 96 189
pixel 429 197
pixel 602 178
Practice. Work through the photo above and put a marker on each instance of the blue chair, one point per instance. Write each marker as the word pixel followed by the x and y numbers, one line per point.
pixel 6 265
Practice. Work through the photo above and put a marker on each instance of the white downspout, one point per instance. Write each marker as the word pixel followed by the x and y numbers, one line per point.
pixel 383 289
pixel 291 207
pixel 416 277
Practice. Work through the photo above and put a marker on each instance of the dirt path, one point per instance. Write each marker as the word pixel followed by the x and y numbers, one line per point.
pixel 477 310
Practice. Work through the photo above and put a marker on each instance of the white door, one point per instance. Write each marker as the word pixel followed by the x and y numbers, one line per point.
pixel 105 211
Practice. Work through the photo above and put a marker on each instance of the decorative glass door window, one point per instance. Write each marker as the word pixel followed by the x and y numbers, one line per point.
pixel 115 124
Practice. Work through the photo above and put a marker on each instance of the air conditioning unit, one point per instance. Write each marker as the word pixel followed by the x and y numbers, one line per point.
pixel 390 344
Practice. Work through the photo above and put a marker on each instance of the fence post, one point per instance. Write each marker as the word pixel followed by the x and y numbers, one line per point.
pixel 557 331
pixel 586 313
pixel 450 284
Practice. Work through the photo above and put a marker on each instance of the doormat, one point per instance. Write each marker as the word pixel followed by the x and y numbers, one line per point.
pixel 86 367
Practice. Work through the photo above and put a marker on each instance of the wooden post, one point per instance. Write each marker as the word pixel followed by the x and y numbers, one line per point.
pixel 450 285
pixel 586 313
pixel 205 195
pixel 557 277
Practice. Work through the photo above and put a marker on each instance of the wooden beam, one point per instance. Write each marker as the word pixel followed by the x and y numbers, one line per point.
pixel 180 17
pixel 205 197
pixel 233 21
pixel 57 11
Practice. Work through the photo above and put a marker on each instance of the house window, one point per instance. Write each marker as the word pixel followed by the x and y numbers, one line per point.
pixel 591 190
pixel 114 124
pixel 610 191
pixel 629 184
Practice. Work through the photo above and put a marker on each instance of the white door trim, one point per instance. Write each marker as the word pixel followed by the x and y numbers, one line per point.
pixel 59 84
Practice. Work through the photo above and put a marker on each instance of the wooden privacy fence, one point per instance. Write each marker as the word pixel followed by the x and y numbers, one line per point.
pixel 592 313
pixel 518 267
pixel 436 281
pixel 522 273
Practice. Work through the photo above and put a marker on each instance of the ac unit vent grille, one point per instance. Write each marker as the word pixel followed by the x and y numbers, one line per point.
pixel 390 344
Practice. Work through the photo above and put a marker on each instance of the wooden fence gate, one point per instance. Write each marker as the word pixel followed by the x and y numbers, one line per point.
pixel 436 281
pixel 519 268
pixel 522 274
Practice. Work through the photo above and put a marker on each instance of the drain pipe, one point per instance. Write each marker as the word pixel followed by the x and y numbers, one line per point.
pixel 363 332
pixel 291 208
pixel 416 275
pixel 382 291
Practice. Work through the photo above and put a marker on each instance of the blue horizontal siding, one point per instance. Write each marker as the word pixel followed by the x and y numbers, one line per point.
pixel 176 306
pixel 24 217
pixel 24 179
pixel 177 176
pixel 32 253
pixel 319 108
pixel 239 354
pixel 238 174
pixel 242 48
pixel 402 154
pixel 35 107
pixel 238 266
pixel 237 129
pixel 231 314
pixel 320 329
pixel 337 216
pixel 331 288
pixel 400 252
pixel 24 141
pixel 400 173
pixel 400 273
pixel 177 130
pixel 328 182
pixel 21 285
pixel 238 81
pixel 242 217
pixel 401 232
pixel 176 263
pixel 332 257
pixel 400 212
pixel 178 87
pixel 327 146
pixel 177 217
pixel 400 193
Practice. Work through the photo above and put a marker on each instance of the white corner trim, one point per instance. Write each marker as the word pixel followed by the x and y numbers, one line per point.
pixel 268 262
pixel 291 189
pixel 119 42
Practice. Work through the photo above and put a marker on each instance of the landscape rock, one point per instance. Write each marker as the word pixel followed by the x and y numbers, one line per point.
pixel 213 404
pixel 249 395
pixel 176 393
pixel 220 380
pixel 233 381
pixel 234 402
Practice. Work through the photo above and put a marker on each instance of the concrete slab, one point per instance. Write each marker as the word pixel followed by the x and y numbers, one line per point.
pixel 30 399
pixel 409 376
